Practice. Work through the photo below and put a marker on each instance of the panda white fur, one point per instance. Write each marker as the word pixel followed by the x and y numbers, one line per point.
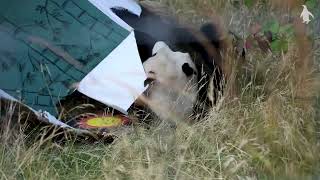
pixel 172 80
pixel 157 57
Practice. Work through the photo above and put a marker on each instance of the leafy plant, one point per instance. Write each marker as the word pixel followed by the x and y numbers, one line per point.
pixel 272 35
pixel 249 3
pixel 311 3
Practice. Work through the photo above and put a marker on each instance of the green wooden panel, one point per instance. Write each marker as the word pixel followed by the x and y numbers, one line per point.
pixel 47 45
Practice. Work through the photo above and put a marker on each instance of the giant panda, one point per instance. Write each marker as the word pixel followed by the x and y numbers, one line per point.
pixel 172 80
pixel 158 38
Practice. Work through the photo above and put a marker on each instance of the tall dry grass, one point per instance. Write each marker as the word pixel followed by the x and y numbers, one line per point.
pixel 265 127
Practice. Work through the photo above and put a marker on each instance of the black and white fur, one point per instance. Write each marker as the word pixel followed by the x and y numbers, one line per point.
pixel 151 28
pixel 172 91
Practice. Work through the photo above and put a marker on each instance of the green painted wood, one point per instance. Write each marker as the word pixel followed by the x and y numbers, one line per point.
pixel 48 45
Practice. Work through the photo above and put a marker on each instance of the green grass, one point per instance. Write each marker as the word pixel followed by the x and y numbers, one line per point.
pixel 268 128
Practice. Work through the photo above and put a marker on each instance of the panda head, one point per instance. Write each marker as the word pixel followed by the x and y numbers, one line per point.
pixel 164 66
pixel 167 66
pixel 172 80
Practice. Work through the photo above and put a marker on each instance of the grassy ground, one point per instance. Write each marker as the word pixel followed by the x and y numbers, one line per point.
pixel 266 128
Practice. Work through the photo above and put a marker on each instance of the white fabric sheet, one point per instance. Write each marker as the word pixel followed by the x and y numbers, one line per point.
pixel 117 80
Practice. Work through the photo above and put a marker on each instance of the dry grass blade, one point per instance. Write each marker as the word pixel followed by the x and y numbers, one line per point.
pixel 266 126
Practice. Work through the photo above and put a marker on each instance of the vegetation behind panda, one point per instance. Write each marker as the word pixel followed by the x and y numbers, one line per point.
pixel 155 24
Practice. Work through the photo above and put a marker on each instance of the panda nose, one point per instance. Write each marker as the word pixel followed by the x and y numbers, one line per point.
pixel 150 78
pixel 148 81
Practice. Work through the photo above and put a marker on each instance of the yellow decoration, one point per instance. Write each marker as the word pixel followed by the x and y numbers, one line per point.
pixel 104 122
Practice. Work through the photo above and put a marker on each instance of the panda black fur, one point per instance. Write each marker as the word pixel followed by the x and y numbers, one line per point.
pixel 151 27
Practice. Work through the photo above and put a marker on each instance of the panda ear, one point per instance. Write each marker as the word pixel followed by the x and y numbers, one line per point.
pixel 157 46
pixel 188 70
pixel 210 30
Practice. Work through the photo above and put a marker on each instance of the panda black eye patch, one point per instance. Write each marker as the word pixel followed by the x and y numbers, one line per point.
pixel 187 69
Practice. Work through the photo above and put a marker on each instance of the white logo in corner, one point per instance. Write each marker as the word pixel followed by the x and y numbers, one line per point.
pixel 305 14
